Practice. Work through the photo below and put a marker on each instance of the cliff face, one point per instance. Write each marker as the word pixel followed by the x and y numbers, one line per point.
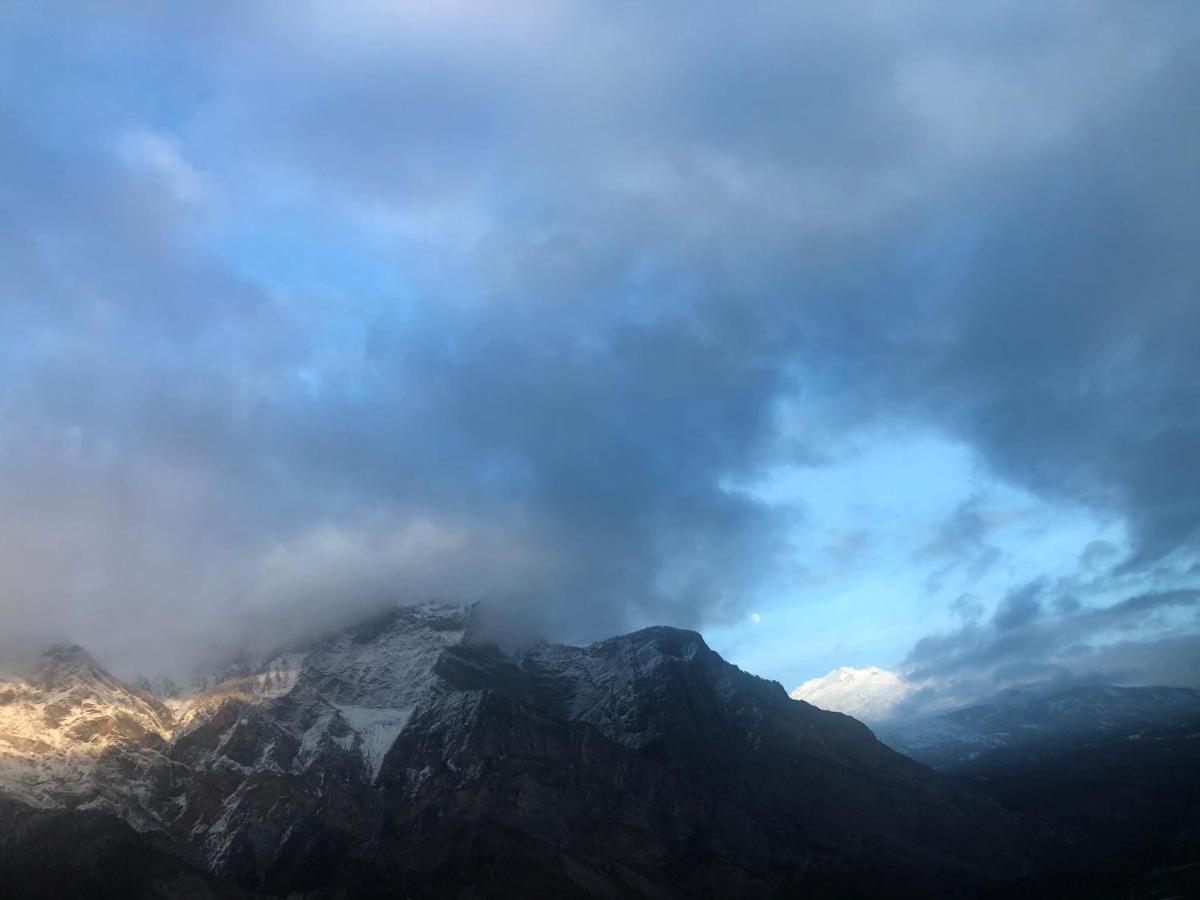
pixel 647 765
pixel 401 758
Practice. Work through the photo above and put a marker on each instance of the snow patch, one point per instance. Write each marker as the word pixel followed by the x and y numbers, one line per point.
pixel 378 730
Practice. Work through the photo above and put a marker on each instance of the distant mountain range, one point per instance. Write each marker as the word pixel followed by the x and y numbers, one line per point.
pixel 406 757
pixel 1106 778
pixel 1037 719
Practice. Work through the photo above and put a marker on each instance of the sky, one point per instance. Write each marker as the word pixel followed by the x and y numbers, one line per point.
pixel 851 334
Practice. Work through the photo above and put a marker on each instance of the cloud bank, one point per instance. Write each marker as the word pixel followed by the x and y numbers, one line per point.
pixel 307 307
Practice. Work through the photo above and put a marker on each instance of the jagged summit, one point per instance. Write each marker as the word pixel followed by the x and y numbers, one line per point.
pixel 355 761
pixel 66 656
pixel 67 652
pixel 62 663
pixel 64 721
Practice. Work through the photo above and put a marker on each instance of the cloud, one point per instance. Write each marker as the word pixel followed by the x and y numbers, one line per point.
pixel 967 607
pixel 1019 607
pixel 1137 640
pixel 159 157
pixel 313 307
pixel 1096 554
pixel 1038 633
pixel 961 541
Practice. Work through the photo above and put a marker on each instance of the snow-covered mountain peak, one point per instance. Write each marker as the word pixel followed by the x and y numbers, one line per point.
pixel 66 714
pixel 377 672
pixel 372 674
pixel 69 677
pixel 387 660
pixel 60 720
pixel 617 685
pixel 869 693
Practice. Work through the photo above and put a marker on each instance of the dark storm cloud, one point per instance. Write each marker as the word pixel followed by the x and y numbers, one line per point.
pixel 1038 633
pixel 961 542
pixel 1097 554
pixel 309 309
pixel 1019 607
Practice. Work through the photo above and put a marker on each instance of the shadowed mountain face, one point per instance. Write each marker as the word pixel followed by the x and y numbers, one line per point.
pixel 1109 777
pixel 646 764
pixel 1033 721
pixel 401 758
pixel 54 853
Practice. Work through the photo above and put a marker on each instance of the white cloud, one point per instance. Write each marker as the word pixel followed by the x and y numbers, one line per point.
pixel 161 158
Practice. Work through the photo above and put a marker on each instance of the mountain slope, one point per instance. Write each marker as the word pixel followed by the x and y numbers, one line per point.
pixel 1108 776
pixel 55 853
pixel 70 733
pixel 401 756
pixel 1043 716
pixel 647 765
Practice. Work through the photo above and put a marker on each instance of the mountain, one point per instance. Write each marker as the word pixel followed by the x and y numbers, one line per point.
pixel 71 733
pixel 1107 777
pixel 405 757
pixel 871 694
pixel 88 853
pixel 1037 719
pixel 646 765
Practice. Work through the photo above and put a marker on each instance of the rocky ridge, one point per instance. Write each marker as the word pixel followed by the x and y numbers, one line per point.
pixel 404 755
pixel 1027 718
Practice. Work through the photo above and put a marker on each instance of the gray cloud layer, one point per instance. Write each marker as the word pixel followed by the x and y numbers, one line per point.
pixel 1042 632
pixel 307 309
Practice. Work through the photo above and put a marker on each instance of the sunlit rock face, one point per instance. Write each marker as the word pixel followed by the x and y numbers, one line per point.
pixel 402 755
pixel 72 734
pixel 248 766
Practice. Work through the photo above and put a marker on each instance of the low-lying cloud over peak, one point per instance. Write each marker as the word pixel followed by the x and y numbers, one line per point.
pixel 310 308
